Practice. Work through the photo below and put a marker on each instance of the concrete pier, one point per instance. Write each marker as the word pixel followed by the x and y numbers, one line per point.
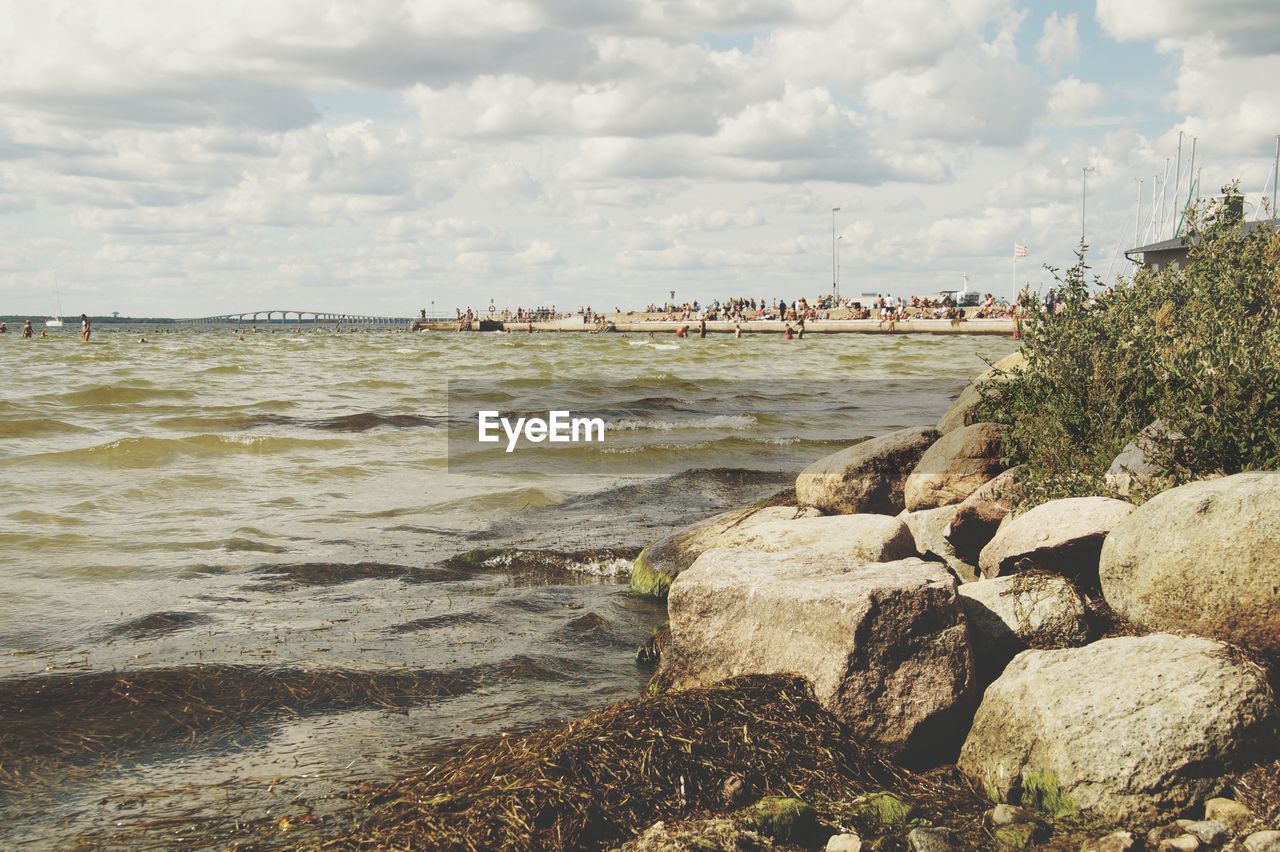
pixel 630 324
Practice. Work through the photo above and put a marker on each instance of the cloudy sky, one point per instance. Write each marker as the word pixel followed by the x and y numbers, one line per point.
pixel 181 158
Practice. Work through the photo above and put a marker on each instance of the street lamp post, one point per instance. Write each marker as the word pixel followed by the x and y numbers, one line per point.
pixel 839 245
pixel 834 210
pixel 1084 185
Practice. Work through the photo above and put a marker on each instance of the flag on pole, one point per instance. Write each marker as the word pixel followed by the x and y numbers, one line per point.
pixel 1019 250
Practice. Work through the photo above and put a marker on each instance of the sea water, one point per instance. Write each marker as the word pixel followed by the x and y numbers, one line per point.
pixel 228 563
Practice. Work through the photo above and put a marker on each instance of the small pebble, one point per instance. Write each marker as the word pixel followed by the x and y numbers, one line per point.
pixel 1235 816
pixel 844 843
pixel 1209 831
pixel 931 840
pixel 1009 815
pixel 1117 841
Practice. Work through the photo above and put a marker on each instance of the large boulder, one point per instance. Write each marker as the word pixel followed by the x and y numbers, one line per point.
pixel 978 516
pixel 1204 558
pixel 866 538
pixel 928 528
pixel 1009 615
pixel 885 645
pixel 955 466
pixel 1130 729
pixel 661 562
pixel 1064 536
pixel 963 412
pixel 867 477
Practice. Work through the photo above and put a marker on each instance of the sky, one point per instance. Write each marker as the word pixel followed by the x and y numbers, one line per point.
pixel 185 159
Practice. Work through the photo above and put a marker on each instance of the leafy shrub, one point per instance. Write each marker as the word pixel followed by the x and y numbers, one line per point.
pixel 1197 347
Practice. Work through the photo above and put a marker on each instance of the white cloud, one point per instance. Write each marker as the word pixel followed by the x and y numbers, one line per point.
pixel 1072 101
pixel 1229 55
pixel 1059 46
pixel 350 153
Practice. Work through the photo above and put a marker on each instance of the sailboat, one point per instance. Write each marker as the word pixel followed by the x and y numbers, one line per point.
pixel 55 321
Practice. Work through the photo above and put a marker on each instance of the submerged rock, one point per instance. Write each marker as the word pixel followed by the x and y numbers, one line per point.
pixel 955 466
pixel 661 562
pixel 1063 536
pixel 1128 728
pixel 867 477
pixel 1009 615
pixel 885 645
pixel 1202 558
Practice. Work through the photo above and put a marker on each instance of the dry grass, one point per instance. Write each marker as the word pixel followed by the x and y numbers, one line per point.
pixel 600 779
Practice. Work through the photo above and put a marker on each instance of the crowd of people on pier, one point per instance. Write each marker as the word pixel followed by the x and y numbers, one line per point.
pixel 881 308
pixel 739 309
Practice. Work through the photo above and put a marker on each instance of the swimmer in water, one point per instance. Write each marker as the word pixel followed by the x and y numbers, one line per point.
pixel 737 330
pixel 682 331
pixel 788 335
pixel 702 328
pixel 26 329
pixel 86 328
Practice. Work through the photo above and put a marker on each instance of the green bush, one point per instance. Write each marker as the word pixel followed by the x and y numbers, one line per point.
pixel 1197 347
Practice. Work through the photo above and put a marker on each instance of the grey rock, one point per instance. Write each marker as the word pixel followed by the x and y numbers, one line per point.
pixel 1063 536
pixel 1133 470
pixel 867 477
pixel 661 562
pixel 955 466
pixel 963 411
pixel 1181 843
pixel 932 840
pixel 1208 831
pixel 1009 615
pixel 1235 816
pixel 1006 814
pixel 866 538
pixel 979 515
pixel 844 843
pixel 1116 841
pixel 1263 841
pixel 1202 558
pixel 928 527
pixel 885 645
pixel 1129 728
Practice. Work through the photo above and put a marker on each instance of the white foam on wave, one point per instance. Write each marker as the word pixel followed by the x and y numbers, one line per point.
pixel 736 422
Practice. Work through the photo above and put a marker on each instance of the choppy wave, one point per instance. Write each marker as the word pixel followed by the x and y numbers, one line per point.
pixel 717 421
pixel 153 452
pixel 37 426
pixel 123 394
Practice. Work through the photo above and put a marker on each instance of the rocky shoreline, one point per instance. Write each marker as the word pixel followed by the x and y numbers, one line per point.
pixel 1083 662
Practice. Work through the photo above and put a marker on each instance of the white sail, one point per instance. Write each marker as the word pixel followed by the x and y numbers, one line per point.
pixel 55 321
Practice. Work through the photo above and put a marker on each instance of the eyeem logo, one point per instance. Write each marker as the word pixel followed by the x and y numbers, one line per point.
pixel 559 428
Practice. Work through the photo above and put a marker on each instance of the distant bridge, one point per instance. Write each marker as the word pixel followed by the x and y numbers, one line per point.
pixel 299 317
